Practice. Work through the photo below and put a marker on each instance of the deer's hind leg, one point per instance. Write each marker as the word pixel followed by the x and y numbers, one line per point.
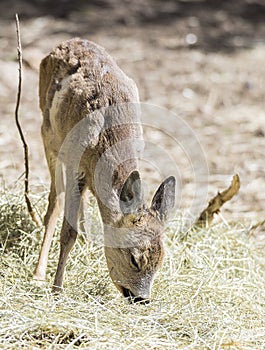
pixel 53 211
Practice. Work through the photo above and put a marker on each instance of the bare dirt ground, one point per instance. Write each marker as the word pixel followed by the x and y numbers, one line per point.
pixel 203 60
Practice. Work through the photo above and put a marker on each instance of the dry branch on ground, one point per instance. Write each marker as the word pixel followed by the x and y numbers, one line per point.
pixel 218 201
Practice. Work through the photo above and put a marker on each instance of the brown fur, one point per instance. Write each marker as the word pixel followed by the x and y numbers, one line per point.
pixel 78 82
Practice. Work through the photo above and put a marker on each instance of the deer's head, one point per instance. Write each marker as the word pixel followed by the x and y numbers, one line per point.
pixel 134 247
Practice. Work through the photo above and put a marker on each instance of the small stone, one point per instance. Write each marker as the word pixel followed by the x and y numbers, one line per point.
pixel 191 39
pixel 259 133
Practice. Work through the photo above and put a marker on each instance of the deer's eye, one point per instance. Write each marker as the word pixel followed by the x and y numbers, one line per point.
pixel 134 263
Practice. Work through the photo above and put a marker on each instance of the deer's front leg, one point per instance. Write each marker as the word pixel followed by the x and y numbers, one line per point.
pixel 74 190
pixel 68 238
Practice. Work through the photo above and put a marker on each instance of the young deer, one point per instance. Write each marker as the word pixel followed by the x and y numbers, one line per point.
pixel 91 127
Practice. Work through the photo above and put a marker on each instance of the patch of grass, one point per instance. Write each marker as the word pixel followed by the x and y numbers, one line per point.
pixel 210 293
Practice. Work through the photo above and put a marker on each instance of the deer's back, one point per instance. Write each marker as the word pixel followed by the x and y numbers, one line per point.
pixel 77 78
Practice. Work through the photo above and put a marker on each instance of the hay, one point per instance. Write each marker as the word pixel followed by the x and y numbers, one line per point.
pixel 210 293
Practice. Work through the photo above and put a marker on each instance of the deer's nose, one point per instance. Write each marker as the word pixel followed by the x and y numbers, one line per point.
pixel 140 300
pixel 133 298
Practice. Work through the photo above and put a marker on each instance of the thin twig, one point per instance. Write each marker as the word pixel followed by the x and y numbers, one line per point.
pixel 25 146
pixel 257 225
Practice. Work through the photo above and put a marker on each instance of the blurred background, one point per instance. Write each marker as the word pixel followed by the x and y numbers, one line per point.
pixel 201 59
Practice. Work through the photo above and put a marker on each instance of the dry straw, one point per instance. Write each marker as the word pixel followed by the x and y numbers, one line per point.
pixel 210 293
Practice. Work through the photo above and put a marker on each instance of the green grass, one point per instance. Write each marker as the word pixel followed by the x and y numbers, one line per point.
pixel 210 293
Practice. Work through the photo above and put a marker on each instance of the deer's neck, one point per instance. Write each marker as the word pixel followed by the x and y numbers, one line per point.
pixel 108 184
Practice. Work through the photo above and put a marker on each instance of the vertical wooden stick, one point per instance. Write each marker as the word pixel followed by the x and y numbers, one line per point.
pixel 25 146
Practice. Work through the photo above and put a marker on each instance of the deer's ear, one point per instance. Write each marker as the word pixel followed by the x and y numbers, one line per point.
pixel 164 198
pixel 131 196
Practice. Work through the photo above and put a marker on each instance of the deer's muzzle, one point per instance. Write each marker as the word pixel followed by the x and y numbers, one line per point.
pixel 133 298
